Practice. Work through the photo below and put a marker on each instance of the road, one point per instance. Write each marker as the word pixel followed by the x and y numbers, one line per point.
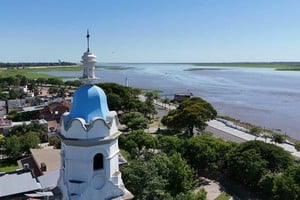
pixel 161 111
pixel 223 135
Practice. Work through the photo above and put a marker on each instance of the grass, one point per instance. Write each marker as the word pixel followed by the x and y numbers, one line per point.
pixel 288 69
pixel 223 196
pixel 274 65
pixel 114 67
pixel 202 69
pixel 41 71
pixel 37 72
pixel 25 72
pixel 8 165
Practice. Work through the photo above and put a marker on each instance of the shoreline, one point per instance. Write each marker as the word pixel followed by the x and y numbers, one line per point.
pixel 273 103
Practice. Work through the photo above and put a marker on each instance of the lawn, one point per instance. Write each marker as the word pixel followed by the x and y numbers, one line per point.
pixel 8 165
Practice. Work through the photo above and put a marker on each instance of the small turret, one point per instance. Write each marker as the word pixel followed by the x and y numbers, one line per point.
pixel 89 61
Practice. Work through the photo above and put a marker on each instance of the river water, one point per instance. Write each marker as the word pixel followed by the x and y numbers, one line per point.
pixel 265 97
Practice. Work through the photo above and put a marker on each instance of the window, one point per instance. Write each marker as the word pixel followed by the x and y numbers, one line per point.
pixel 98 161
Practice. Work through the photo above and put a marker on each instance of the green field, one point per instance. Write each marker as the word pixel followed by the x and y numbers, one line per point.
pixel 41 72
pixel 203 69
pixel 276 65
pixel 37 72
pixel 114 67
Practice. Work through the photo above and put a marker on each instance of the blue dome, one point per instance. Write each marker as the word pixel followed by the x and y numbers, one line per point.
pixel 89 102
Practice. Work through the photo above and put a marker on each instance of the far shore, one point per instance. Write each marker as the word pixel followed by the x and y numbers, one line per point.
pixel 282 66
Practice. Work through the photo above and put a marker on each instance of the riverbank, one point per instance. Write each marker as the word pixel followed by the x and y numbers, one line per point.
pixel 261 96
pixel 291 66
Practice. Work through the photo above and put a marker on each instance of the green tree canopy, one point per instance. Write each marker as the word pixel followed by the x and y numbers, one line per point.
pixel 205 152
pixel 136 141
pixel 170 144
pixel 278 138
pixel 250 161
pixel 12 147
pixel 29 141
pixel 54 141
pixel 134 120
pixel 191 113
pixel 160 177
pixel 120 97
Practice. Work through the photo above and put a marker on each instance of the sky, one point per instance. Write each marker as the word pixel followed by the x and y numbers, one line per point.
pixel 150 30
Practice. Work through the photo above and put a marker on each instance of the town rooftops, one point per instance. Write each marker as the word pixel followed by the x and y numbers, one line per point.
pixel 17 183
pixel 50 158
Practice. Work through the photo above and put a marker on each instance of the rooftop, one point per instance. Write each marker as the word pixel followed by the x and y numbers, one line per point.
pixel 17 182
pixel 51 157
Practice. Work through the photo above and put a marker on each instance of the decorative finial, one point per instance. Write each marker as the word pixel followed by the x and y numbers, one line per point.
pixel 88 40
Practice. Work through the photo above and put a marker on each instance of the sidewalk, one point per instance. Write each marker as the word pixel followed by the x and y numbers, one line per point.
pixel 221 126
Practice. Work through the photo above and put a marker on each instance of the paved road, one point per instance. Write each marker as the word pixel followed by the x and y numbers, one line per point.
pixel 215 132
pixel 220 130
pixel 223 135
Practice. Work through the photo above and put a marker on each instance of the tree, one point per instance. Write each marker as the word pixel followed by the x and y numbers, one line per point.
pixel 170 144
pixel 205 152
pixel 124 98
pixel 74 83
pixel 149 108
pixel 278 138
pixel 29 141
pixel 255 130
pixel 114 101
pixel 248 167
pixel 16 94
pixel 34 126
pixel 54 141
pixel 23 80
pixel 248 162
pixel 41 81
pixel 12 147
pixel 180 177
pixel 143 180
pixel 200 195
pixel 280 185
pixel 134 120
pixel 159 177
pixel 191 113
pixel 284 187
pixel 54 81
pixel 137 141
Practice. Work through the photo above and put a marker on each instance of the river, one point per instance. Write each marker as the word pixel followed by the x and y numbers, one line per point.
pixel 261 96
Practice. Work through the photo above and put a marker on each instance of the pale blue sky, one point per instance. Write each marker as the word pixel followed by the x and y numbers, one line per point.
pixel 150 30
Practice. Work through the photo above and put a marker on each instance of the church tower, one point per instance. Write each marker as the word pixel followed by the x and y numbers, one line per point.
pixel 89 151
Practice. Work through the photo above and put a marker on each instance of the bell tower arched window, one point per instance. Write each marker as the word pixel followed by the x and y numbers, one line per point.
pixel 98 161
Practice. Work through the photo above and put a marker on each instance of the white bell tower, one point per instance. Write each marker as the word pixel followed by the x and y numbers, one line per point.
pixel 89 151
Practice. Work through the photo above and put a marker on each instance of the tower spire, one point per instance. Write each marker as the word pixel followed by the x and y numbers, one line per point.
pixel 88 40
pixel 89 61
